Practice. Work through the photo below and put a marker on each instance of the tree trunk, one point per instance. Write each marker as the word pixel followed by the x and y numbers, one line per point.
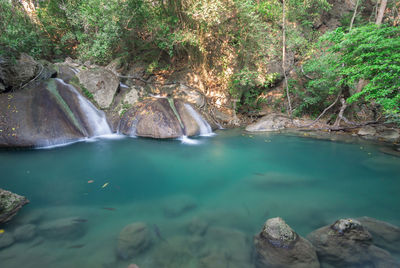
pixel 284 57
pixel 354 15
pixel 381 12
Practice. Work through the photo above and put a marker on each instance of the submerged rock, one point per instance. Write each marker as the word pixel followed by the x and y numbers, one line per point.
pixel 178 205
pixel 102 83
pixel 277 245
pixel 6 240
pixel 10 203
pixel 384 235
pixel 197 226
pixel 66 228
pixel 346 243
pixel 51 112
pixel 133 240
pixel 25 232
pixel 161 118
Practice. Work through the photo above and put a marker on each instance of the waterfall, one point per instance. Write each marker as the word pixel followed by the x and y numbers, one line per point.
pixel 94 118
pixel 205 128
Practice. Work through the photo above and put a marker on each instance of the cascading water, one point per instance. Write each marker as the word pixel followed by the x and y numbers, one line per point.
pixel 96 120
pixel 205 128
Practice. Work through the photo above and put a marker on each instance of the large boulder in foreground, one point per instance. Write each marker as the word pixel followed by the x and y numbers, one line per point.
pixel 100 82
pixel 10 203
pixel 163 118
pixel 278 246
pixel 346 243
pixel 50 112
pixel 133 240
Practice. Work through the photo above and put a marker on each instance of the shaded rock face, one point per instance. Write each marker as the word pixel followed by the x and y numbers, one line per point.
pixel 346 243
pixel 10 203
pixel 159 118
pixel 14 74
pixel 51 112
pixel 66 228
pixel 133 239
pixel 277 245
pixel 384 235
pixel 102 83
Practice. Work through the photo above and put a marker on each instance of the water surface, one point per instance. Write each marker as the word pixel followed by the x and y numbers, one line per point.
pixel 205 200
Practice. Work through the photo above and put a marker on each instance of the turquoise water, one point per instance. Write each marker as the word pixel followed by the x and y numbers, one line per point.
pixel 203 203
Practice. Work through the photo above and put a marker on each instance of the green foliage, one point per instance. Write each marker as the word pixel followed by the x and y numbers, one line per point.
pixel 321 89
pixel 87 93
pixel 370 53
pixel 18 33
pixel 247 85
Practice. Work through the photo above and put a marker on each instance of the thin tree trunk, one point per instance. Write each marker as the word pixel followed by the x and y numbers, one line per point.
pixel 381 12
pixel 284 57
pixel 354 15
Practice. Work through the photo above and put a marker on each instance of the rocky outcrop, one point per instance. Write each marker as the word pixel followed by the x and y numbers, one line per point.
pixel 51 112
pixel 10 203
pixel 384 235
pixel 277 245
pixel 346 243
pixel 17 73
pixel 65 228
pixel 100 82
pixel 160 118
pixel 133 239
pixel 380 133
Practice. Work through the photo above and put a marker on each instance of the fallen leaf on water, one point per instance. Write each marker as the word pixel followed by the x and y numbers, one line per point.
pixel 104 185
pixel 90 181
pixel 1 231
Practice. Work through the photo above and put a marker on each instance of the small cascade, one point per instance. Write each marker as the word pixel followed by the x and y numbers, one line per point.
pixel 95 118
pixel 205 128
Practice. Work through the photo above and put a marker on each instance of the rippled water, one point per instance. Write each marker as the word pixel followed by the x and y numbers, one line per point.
pixel 202 202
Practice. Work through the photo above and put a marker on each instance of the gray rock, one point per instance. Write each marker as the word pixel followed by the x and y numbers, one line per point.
pixel 277 245
pixel 346 243
pixel 367 131
pixel 6 240
pixel 133 240
pixel 159 118
pixel 66 228
pixel 10 203
pixel 47 113
pixel 178 205
pixel 384 235
pixel 271 122
pixel 102 83
pixel 25 232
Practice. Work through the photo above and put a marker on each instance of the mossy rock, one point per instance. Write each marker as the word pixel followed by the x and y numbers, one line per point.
pixel 10 203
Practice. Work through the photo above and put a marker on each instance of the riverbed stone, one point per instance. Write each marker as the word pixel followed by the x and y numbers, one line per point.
pixel 6 239
pixel 102 83
pixel 347 243
pixel 270 122
pixel 384 234
pixel 133 239
pixel 178 205
pixel 61 229
pixel 278 245
pixel 25 232
pixel 197 226
pixel 10 204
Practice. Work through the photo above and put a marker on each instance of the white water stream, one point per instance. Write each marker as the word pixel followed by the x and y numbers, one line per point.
pixel 205 128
